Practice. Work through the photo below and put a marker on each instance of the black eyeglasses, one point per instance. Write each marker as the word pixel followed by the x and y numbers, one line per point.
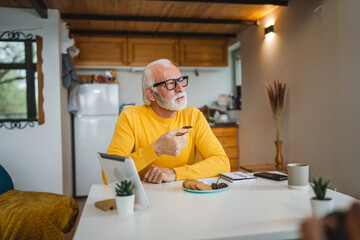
pixel 170 84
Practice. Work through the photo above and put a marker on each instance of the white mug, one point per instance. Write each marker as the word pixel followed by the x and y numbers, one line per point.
pixel 223 118
pixel 298 176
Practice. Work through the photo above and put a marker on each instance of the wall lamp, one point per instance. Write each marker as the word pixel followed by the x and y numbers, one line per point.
pixel 269 32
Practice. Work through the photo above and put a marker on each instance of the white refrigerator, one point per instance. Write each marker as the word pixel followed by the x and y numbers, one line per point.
pixel 94 124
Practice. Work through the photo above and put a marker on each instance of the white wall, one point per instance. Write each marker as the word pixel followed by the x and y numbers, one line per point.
pixel 34 156
pixel 202 90
pixel 316 54
pixel 66 144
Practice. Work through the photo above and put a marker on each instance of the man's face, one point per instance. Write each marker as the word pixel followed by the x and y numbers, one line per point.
pixel 175 99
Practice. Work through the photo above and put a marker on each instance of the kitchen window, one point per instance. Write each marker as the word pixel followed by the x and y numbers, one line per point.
pixel 19 84
pixel 236 66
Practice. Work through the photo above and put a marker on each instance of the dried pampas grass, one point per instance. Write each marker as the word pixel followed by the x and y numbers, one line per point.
pixel 277 98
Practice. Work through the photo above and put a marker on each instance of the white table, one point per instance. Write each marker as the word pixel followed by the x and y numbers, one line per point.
pixel 261 209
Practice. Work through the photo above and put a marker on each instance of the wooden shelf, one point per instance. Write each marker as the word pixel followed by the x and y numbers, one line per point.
pixel 258 167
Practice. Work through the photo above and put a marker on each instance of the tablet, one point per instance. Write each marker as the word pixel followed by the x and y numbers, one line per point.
pixel 117 169
pixel 271 176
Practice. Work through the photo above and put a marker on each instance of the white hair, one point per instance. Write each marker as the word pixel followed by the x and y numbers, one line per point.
pixel 148 78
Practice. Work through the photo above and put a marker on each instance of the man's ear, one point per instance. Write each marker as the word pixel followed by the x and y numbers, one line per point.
pixel 150 94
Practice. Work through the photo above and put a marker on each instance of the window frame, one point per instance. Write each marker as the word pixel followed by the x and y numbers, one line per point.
pixel 33 111
pixel 237 77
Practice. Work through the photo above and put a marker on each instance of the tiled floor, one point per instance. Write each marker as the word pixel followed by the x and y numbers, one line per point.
pixel 81 203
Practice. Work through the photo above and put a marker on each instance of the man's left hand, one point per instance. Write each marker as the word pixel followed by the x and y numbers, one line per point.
pixel 157 174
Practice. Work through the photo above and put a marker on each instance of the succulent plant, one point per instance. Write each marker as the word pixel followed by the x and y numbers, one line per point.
pixel 125 189
pixel 319 186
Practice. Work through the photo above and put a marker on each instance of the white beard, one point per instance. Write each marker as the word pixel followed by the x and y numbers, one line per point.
pixel 170 104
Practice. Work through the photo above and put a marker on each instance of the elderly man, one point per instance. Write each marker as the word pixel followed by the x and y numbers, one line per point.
pixel 153 135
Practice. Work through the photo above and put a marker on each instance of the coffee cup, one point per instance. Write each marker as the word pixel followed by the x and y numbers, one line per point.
pixel 298 176
pixel 223 118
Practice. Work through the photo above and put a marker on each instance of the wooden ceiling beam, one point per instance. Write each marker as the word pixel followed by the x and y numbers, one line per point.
pixel 161 34
pixel 40 8
pixel 252 2
pixel 70 16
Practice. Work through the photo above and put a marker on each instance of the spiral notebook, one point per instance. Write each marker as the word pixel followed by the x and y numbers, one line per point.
pixel 237 176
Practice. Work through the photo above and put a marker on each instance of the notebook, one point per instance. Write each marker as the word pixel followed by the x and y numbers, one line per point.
pixel 237 177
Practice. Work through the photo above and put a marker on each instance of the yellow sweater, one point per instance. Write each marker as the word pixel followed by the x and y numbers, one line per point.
pixel 139 126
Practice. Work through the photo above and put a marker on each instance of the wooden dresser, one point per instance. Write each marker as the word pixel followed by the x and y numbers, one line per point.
pixel 227 135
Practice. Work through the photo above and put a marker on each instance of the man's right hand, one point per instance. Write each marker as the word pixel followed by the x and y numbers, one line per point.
pixel 317 228
pixel 172 142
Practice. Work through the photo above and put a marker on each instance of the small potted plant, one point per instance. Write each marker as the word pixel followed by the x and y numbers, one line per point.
pixel 125 197
pixel 320 205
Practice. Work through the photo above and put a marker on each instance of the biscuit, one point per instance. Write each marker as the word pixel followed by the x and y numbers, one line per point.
pixel 193 185
pixel 185 127
pixel 180 134
pixel 187 183
pixel 203 186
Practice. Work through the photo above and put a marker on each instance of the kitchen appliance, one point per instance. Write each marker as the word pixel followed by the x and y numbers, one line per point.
pixel 94 125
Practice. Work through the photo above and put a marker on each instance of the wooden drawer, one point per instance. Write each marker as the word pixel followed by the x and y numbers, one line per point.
pixel 234 163
pixel 228 141
pixel 227 137
pixel 231 152
pixel 232 131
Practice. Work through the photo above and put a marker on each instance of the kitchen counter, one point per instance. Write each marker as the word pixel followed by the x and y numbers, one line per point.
pixel 223 124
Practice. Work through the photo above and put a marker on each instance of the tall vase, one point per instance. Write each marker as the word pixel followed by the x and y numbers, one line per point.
pixel 279 159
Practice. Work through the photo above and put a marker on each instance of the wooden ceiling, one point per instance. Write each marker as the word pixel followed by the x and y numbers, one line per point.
pixel 207 18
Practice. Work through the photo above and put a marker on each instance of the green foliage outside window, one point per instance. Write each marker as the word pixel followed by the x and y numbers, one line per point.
pixel 13 79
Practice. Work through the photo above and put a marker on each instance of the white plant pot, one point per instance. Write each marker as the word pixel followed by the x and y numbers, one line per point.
pixel 125 204
pixel 321 208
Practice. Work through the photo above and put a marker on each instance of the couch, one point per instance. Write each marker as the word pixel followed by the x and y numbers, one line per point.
pixel 34 215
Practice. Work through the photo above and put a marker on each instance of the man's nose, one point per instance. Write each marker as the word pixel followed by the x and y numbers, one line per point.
pixel 179 87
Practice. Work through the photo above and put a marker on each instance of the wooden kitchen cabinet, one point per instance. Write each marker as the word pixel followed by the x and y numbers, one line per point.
pixel 142 51
pixel 227 136
pixel 200 52
pixel 101 51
